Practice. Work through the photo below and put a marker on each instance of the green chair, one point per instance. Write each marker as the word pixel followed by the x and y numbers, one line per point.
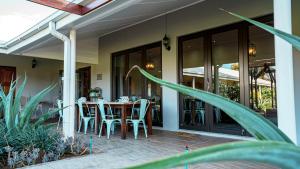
pixel 60 112
pixel 89 119
pixel 144 105
pixel 107 118
pixel 200 111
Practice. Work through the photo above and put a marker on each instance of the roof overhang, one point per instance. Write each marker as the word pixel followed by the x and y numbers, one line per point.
pixel 63 20
pixel 111 17
pixel 72 7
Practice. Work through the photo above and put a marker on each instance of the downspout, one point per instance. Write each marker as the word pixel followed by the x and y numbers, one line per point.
pixel 3 48
pixel 66 79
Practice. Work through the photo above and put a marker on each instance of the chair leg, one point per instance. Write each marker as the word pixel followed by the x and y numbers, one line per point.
pixel 100 132
pixel 108 128
pixel 145 129
pixel 202 116
pixel 112 128
pixel 58 123
pixel 135 128
pixel 79 128
pixel 86 124
pixel 92 124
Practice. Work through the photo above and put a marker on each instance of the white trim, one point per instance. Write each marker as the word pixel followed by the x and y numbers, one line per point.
pixel 210 134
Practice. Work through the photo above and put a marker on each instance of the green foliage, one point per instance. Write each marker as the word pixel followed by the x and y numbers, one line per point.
pixel 230 90
pixel 14 118
pixel 254 123
pixel 35 145
pixel 41 137
pixel 257 151
pixel 274 146
pixel 292 39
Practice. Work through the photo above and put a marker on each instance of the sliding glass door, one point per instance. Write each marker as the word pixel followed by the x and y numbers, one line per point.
pixel 136 86
pixel 193 74
pixel 225 77
pixel 235 61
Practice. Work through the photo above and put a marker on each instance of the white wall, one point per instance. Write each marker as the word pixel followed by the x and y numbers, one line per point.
pixel 193 19
pixel 45 73
pixel 87 50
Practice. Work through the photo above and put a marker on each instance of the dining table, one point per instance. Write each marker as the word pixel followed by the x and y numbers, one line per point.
pixel 125 108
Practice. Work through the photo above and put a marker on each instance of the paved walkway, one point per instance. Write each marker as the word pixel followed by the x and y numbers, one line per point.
pixel 117 153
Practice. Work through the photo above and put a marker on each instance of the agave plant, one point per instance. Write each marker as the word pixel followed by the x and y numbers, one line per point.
pixel 273 146
pixel 14 117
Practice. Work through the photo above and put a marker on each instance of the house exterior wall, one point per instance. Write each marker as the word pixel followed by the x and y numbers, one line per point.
pixel 44 74
pixel 196 18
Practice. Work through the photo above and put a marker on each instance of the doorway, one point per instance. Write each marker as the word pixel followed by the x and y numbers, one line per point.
pixel 83 81
pixel 222 61
pixel 136 86
pixel 7 75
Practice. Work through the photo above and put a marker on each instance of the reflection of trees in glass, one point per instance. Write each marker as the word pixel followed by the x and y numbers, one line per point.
pixel 230 90
pixel 264 98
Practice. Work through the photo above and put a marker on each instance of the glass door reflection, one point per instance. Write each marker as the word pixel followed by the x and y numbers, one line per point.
pixel 225 76
pixel 193 113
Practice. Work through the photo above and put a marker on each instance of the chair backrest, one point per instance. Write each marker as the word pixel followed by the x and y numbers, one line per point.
pixel 81 101
pixel 60 106
pixel 187 104
pixel 100 104
pixel 199 104
pixel 144 104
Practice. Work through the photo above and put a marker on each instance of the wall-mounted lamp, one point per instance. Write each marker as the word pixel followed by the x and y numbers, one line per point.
pixel 33 63
pixel 252 50
pixel 166 42
pixel 150 66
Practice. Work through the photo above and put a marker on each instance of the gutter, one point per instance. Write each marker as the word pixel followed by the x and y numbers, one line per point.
pixel 61 20
pixel 68 80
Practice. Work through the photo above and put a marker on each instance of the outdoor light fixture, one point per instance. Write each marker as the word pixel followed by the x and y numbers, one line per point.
pixel 166 42
pixel 150 66
pixel 33 63
pixel 252 50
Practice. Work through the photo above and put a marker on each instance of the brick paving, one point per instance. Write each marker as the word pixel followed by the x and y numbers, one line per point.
pixel 118 153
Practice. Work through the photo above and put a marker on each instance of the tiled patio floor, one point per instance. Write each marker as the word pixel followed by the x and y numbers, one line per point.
pixel 118 153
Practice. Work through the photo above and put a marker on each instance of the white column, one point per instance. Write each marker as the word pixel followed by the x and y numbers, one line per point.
pixel 72 81
pixel 286 97
pixel 66 90
pixel 296 61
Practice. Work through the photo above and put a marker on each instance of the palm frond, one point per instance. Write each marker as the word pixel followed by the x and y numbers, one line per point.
pixel 254 123
pixel 292 39
pixel 280 154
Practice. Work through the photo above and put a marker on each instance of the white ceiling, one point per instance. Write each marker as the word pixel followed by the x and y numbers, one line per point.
pixel 143 10
pixel 88 35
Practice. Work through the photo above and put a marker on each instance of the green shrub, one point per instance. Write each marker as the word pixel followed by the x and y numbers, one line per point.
pixel 24 141
pixel 14 117
pixel 35 145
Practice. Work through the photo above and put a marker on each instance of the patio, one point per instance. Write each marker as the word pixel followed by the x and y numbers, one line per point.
pixel 119 153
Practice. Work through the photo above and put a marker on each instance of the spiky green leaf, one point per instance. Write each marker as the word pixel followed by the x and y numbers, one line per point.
pixel 30 107
pixel 254 123
pixel 280 154
pixel 17 102
pixel 46 116
pixel 292 39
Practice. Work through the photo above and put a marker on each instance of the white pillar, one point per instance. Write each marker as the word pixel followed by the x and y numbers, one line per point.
pixel 296 61
pixel 66 91
pixel 286 98
pixel 72 81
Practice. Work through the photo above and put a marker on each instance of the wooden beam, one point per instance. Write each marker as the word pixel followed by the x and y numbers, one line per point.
pixel 94 5
pixel 70 7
